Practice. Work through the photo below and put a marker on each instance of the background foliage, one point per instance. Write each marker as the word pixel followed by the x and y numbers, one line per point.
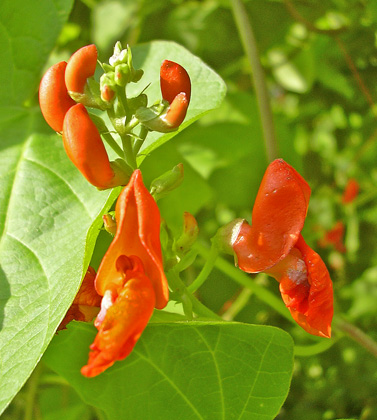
pixel 320 61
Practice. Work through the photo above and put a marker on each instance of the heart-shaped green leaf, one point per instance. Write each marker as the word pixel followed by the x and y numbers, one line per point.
pixel 208 89
pixel 196 370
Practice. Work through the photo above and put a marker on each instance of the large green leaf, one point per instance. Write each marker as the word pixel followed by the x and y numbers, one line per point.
pixel 184 370
pixel 28 31
pixel 47 208
pixel 208 89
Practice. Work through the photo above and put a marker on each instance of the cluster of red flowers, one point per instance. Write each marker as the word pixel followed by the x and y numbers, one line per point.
pixel 130 281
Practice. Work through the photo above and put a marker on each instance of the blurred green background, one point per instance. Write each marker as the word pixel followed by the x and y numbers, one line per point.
pixel 320 60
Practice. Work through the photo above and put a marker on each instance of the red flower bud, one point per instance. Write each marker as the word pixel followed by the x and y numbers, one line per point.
pixel 174 79
pixel 54 99
pixel 85 148
pixel 81 66
pixel 177 111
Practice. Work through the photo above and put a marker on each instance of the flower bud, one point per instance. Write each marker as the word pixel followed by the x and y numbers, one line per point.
pixel 189 234
pixel 84 147
pixel 107 87
pixel 122 74
pixel 174 79
pixel 176 113
pixel 167 182
pixel 124 69
pixel 80 67
pixel 227 235
pixel 54 99
pixel 165 122
pixel 109 223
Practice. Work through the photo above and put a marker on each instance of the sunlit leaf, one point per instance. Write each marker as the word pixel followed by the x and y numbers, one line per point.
pixel 184 370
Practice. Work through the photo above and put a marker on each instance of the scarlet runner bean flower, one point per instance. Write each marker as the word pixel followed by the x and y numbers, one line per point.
pixel 130 278
pixel 87 302
pixel 54 99
pixel 85 148
pixel 273 244
pixel 334 237
pixel 351 191
pixel 80 67
pixel 176 89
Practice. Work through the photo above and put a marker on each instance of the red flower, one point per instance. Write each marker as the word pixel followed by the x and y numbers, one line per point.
pixel 86 303
pixel 334 237
pixel 54 99
pixel 176 89
pixel 351 191
pixel 130 278
pixel 83 144
pixel 273 244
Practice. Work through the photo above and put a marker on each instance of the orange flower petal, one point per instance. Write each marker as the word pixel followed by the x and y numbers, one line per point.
pixel 86 303
pixel 311 301
pixel 122 325
pixel 174 79
pixel 138 233
pixel 277 220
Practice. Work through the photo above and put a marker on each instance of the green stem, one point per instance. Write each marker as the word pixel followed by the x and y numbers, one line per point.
pixel 237 306
pixel 206 270
pixel 113 144
pixel 270 299
pixel 128 151
pixel 178 286
pixel 250 46
pixel 241 278
pixel 139 142
pixel 313 349
pixel 104 131
pixel 32 388
pixel 357 335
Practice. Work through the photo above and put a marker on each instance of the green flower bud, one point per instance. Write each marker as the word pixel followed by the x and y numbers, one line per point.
pixel 122 74
pixel 167 182
pixel 109 223
pixel 189 234
pixel 226 235
pixel 107 87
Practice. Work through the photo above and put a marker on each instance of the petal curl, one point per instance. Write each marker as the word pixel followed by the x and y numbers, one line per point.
pixel 138 233
pixel 278 217
pixel 122 325
pixel 310 302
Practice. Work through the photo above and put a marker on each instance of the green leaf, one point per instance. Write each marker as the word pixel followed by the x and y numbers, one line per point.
pixel 208 89
pixel 47 209
pixel 28 31
pixel 185 370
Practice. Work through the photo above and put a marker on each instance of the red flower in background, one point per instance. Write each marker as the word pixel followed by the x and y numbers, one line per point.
pixel 130 278
pixel 273 244
pixel 334 237
pixel 351 191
